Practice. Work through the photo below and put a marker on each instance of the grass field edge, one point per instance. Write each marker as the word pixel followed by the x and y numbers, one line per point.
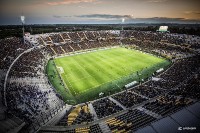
pixel 81 98
pixel 56 83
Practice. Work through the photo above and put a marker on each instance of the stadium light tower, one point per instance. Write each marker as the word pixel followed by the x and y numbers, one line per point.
pixel 123 20
pixel 6 77
pixel 121 32
pixel 23 21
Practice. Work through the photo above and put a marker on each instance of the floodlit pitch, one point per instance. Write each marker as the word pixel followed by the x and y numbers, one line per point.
pixel 84 72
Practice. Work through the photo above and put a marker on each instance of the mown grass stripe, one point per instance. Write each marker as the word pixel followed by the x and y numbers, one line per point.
pixel 85 72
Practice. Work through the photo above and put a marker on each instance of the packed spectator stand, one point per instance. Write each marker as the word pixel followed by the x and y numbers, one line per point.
pixel 77 115
pixel 34 101
pixel 105 107
pixel 129 121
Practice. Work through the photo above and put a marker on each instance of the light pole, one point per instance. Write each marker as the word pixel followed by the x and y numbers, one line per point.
pixel 23 21
pixel 121 32
pixel 123 20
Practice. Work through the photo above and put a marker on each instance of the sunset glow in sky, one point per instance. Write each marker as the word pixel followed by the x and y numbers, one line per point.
pixel 99 11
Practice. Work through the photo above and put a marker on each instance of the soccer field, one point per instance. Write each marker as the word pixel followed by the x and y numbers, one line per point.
pixel 87 72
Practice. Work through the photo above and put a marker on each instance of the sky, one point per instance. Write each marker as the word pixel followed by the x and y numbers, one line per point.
pixel 99 11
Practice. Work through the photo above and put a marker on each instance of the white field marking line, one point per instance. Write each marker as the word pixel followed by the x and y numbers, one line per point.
pixel 112 80
pixel 133 50
pixel 64 81
pixel 84 70
pixel 84 52
pixel 109 81
pixel 90 76
pixel 77 80
pixel 95 79
pixel 102 60
pixel 124 67
pixel 106 82
pixel 81 79
pixel 146 54
pixel 71 86
pixel 129 74
pixel 69 83
pixel 117 86
pixel 70 74
pixel 61 69
pixel 96 86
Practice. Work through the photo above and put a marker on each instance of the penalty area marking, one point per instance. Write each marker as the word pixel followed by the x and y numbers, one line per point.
pixel 60 69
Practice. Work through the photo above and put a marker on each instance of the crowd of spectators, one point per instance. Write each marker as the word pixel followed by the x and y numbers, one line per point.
pixel 129 121
pixel 87 129
pixel 82 35
pixel 172 38
pixel 74 36
pixel 90 36
pixel 58 44
pixel 167 104
pixel 56 38
pixel 65 36
pixel 28 94
pixel 29 65
pixel 105 107
pixel 190 89
pixel 174 76
pixel 129 99
pixel 46 39
pixel 180 71
pixel 164 44
pixel 10 48
pixel 78 115
pixel 148 90
pixel 32 103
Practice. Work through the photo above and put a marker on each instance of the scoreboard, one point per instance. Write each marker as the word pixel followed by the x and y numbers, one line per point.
pixel 163 28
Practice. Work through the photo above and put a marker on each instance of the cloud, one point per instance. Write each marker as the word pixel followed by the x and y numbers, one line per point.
pixel 105 16
pixel 165 20
pixel 45 2
pixel 156 1
pixel 127 17
pixel 66 2
pixel 109 18
pixel 192 12
pixel 56 16
pixel 81 7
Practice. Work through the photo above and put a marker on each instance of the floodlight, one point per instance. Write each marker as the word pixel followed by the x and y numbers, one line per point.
pixel 23 19
pixel 123 19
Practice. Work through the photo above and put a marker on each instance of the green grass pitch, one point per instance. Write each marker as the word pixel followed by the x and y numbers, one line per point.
pixel 85 73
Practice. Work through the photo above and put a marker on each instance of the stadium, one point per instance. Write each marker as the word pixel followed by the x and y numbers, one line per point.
pixel 99 66
pixel 99 81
